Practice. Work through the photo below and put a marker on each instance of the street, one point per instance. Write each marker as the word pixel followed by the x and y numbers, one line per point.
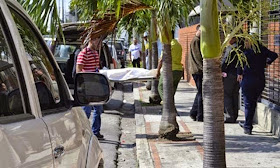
pixel 118 128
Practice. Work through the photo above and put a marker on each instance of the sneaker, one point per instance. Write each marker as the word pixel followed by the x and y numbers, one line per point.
pixel 241 124
pixel 99 136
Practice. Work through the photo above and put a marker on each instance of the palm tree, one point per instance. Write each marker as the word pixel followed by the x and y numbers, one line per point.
pixel 170 13
pixel 211 49
pixel 155 97
pixel 213 136
pixel 168 125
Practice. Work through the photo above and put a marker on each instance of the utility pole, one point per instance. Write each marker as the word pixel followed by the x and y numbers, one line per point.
pixel 63 19
pixel 76 14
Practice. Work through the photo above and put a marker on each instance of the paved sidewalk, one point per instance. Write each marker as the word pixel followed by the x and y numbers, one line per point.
pixel 260 150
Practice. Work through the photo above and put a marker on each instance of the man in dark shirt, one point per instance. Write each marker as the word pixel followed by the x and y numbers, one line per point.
pixel 4 101
pixel 195 68
pixel 231 85
pixel 252 80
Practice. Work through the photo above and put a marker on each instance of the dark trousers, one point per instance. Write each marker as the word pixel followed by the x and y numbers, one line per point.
pixel 251 92
pixel 231 97
pixel 197 108
pixel 136 62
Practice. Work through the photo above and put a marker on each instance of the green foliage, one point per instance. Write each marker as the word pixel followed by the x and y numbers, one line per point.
pixel 237 23
pixel 85 8
pixel 210 39
pixel 139 22
pixel 170 14
pixel 43 13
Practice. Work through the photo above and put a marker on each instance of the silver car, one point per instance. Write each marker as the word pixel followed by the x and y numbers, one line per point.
pixel 41 124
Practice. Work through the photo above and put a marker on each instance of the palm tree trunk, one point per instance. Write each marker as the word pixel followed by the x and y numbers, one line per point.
pixel 213 136
pixel 168 125
pixel 154 98
pixel 212 87
pixel 143 55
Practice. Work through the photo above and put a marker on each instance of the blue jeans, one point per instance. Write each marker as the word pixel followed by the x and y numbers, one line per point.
pixel 96 121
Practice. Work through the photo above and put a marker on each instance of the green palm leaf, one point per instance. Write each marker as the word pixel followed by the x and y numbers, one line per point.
pixel 44 13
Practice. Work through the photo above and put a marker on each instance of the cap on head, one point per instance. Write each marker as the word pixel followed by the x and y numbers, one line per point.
pixel 145 34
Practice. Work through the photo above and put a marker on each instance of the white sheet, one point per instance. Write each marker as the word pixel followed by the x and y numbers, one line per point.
pixel 129 74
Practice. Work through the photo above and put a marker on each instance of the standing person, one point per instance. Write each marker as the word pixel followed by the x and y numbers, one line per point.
pixel 88 61
pixel 195 67
pixel 135 52
pixel 4 100
pixel 177 70
pixel 231 85
pixel 252 80
pixel 147 47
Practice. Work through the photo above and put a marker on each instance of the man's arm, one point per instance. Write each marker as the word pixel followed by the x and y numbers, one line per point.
pixel 80 61
pixel 198 53
pixel 159 67
pixel 79 68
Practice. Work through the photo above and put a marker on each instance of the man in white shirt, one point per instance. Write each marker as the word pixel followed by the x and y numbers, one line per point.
pixel 135 52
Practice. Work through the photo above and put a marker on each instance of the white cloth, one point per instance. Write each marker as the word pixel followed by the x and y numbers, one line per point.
pixel 129 74
pixel 135 51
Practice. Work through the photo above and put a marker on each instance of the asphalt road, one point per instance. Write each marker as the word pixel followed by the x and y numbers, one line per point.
pixel 118 128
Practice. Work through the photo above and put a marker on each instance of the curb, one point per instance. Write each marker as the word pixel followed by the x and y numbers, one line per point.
pixel 144 158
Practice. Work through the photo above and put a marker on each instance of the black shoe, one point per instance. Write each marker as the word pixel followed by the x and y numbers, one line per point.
pixel 200 120
pixel 193 117
pixel 241 124
pixel 247 131
pixel 99 136
pixel 228 121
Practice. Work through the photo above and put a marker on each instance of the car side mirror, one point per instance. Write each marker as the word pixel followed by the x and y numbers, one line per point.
pixel 91 89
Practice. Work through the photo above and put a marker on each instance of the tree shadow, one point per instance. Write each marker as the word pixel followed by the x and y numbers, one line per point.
pixel 249 143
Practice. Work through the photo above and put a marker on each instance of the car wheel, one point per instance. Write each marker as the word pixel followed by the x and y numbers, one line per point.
pixel 101 164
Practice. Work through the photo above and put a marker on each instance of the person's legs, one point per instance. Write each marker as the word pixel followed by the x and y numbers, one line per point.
pixel 229 93
pixel 197 108
pixel 96 121
pixel 200 102
pixel 134 63
pixel 177 75
pixel 87 110
pixel 250 94
pixel 235 101
pixel 138 62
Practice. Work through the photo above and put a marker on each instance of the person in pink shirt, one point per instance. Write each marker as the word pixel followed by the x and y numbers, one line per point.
pixel 88 61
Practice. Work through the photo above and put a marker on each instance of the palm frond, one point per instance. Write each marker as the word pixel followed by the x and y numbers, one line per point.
pixel 43 13
pixel 102 26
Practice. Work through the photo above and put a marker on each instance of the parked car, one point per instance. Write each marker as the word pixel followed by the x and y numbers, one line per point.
pixel 65 53
pixel 120 51
pixel 41 124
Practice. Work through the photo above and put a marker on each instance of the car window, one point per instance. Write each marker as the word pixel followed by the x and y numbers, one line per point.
pixel 42 69
pixel 10 94
pixel 64 51
pixel 118 46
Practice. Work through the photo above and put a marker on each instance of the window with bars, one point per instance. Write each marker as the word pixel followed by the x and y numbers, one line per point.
pixel 271 25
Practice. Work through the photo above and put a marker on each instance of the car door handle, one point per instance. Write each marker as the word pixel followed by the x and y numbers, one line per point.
pixel 58 151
